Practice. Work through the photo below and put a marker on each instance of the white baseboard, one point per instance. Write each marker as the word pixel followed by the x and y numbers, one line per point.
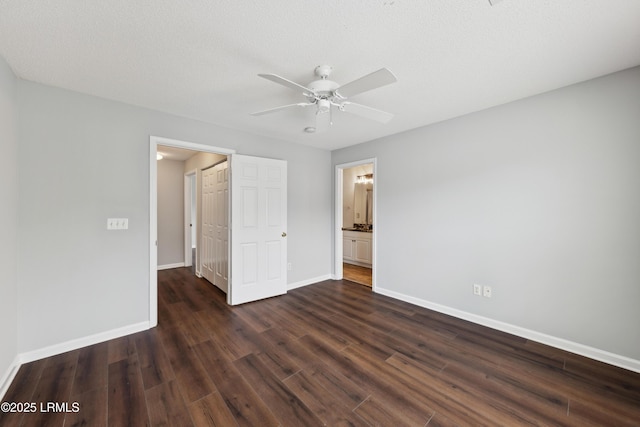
pixel 52 350
pixel 168 266
pixel 570 346
pixel 358 263
pixel 306 282
pixel 77 343
pixel 8 377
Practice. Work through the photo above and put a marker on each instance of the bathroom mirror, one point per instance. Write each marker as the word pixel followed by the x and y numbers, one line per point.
pixel 363 203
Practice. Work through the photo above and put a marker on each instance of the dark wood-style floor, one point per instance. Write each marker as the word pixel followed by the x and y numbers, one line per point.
pixel 332 353
pixel 358 274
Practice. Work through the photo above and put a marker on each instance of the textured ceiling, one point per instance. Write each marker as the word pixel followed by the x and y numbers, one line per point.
pixel 200 58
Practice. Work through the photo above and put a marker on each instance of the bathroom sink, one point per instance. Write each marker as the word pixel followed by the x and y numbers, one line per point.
pixel 363 230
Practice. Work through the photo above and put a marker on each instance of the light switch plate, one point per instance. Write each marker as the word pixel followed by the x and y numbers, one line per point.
pixel 117 223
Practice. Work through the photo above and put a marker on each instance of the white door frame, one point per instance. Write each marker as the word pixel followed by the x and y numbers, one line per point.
pixel 337 262
pixel 154 141
pixel 188 225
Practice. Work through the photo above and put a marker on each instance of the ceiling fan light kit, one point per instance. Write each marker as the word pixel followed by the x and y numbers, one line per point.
pixel 324 105
pixel 325 94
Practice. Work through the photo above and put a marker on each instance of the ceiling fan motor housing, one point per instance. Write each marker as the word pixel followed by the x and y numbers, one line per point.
pixel 323 88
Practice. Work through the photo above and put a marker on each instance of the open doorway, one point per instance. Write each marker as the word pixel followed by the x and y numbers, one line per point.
pixel 208 154
pixel 182 175
pixel 355 222
pixel 258 212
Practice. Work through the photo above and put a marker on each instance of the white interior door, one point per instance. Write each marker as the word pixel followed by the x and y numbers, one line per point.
pixel 221 219
pixel 258 228
pixel 207 257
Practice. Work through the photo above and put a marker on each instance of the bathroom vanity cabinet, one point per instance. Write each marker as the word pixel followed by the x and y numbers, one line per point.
pixel 357 247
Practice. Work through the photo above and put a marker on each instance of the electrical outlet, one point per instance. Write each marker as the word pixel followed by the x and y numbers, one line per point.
pixel 477 289
pixel 486 291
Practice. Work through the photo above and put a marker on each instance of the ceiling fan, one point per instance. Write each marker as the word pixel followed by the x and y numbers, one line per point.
pixel 324 94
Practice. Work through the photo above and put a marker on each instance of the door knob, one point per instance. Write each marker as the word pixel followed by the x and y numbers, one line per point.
pixel 284 234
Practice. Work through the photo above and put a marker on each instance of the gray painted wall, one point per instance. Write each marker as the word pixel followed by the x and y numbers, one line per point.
pixel 170 212
pixel 539 198
pixel 84 159
pixel 9 221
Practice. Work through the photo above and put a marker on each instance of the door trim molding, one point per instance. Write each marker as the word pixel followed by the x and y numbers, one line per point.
pixel 338 201
pixel 188 224
pixel 154 141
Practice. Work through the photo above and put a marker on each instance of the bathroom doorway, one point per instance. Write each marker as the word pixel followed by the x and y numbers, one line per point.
pixel 355 222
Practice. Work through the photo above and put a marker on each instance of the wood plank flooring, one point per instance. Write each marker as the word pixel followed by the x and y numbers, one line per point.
pixel 333 353
pixel 358 274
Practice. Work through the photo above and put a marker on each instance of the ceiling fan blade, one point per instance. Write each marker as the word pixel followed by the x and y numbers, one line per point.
pixel 273 110
pixel 288 83
pixel 323 121
pixel 366 112
pixel 377 79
